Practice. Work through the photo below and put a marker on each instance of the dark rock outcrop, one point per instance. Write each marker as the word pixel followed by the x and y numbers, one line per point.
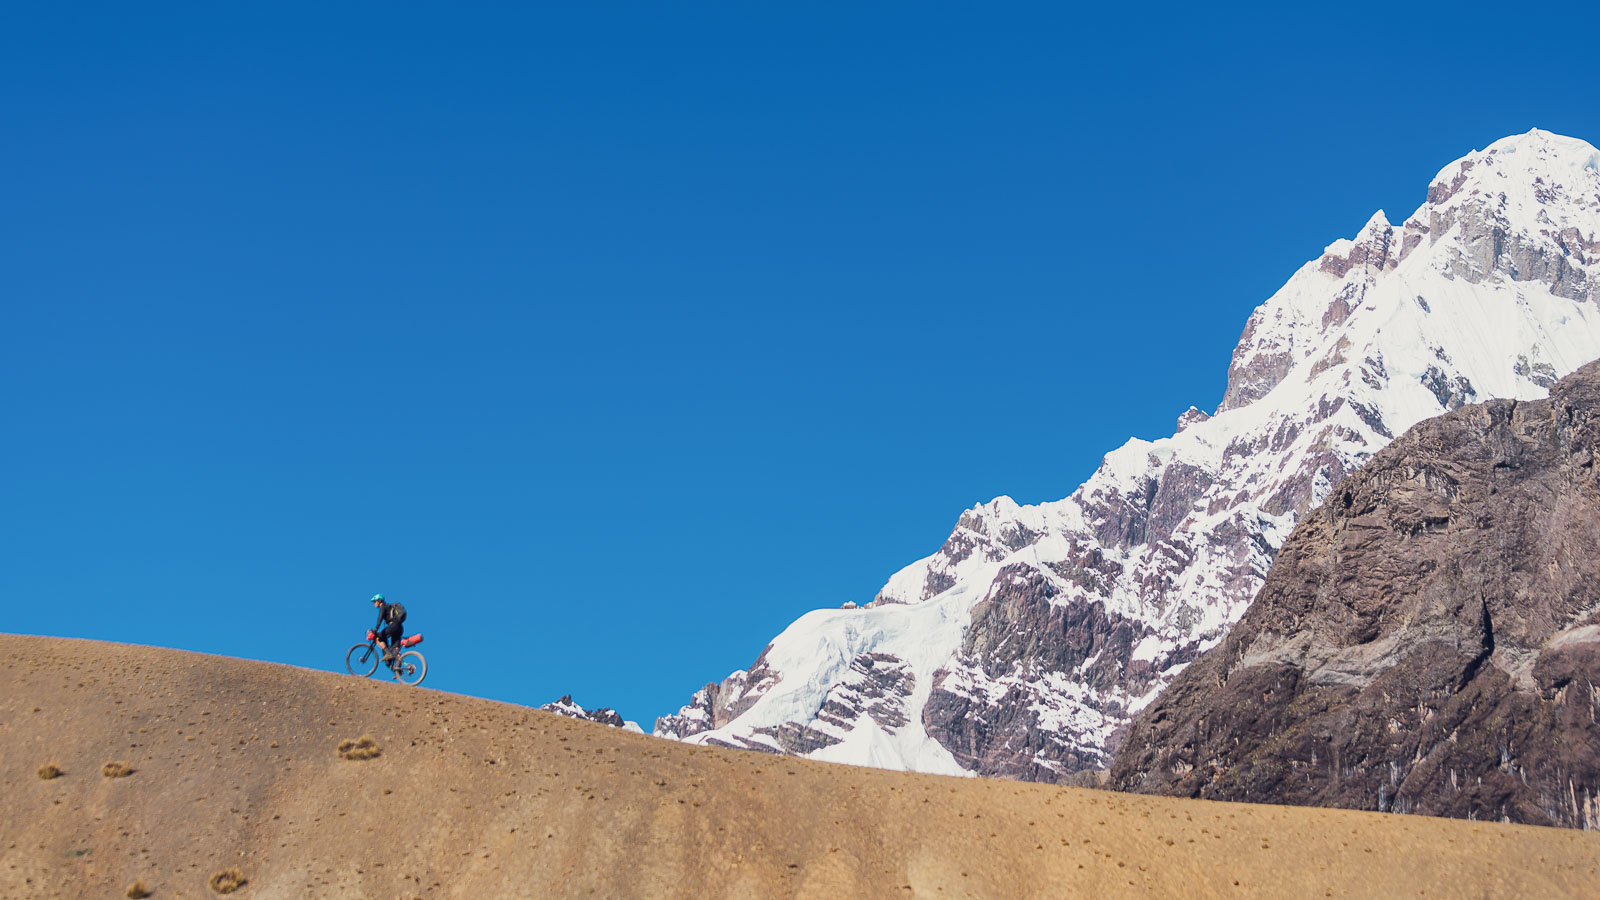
pixel 1027 631
pixel 1427 641
pixel 1491 245
pixel 718 703
pixel 877 686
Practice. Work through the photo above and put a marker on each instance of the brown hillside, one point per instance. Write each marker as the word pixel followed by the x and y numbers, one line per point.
pixel 236 766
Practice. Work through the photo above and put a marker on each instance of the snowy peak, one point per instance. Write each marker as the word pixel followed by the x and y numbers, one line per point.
pixel 984 534
pixel 1001 520
pixel 1190 416
pixel 1525 209
pixel 1550 162
pixel 1371 247
pixel 566 706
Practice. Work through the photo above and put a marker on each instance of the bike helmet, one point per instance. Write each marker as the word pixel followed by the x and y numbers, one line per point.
pixel 377 598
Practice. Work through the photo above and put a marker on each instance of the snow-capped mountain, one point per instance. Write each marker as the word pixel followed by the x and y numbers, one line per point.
pixel 605 715
pixel 1024 645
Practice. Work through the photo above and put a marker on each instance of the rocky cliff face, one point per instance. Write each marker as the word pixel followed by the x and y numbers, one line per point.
pixel 1427 641
pixel 1025 644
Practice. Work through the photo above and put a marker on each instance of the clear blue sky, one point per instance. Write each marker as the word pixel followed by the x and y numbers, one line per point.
pixel 611 338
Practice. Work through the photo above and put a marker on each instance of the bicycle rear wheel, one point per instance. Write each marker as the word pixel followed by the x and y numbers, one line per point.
pixel 411 668
pixel 362 660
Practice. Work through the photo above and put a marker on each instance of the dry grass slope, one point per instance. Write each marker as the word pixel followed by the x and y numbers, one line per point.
pixel 476 799
pixel 364 747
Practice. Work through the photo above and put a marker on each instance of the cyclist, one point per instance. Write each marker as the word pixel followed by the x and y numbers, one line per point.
pixel 390 627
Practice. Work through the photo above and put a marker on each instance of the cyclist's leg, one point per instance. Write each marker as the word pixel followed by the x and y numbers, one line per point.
pixel 391 639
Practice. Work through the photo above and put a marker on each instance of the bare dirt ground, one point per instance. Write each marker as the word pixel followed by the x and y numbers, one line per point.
pixel 235 765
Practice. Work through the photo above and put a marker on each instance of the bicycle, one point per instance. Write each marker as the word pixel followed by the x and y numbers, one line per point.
pixel 408 668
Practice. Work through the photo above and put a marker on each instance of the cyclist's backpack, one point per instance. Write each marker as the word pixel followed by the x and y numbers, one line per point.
pixel 396 614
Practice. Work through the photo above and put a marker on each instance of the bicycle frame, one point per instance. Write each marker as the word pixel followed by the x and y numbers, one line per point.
pixel 372 647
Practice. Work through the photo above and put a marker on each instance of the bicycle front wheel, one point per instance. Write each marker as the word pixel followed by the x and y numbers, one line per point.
pixel 412 668
pixel 362 660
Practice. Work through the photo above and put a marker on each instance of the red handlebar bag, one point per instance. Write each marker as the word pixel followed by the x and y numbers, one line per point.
pixel 372 635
